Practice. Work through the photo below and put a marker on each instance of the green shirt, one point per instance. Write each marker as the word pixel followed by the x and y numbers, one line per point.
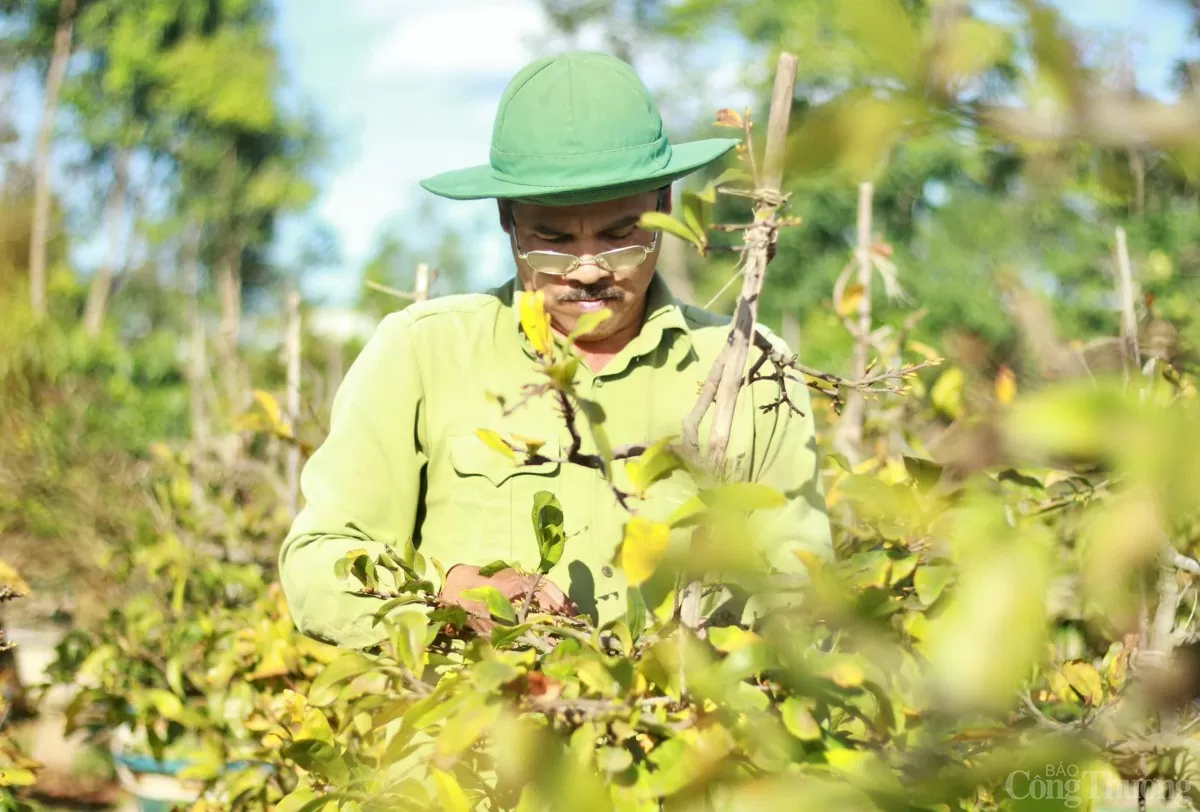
pixel 403 465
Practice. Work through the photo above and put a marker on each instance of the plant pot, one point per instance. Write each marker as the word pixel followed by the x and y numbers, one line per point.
pixel 156 784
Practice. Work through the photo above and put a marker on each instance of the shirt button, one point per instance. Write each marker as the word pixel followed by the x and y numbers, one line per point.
pixel 599 383
pixel 606 571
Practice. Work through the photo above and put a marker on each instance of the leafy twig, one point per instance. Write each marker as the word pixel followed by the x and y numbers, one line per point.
pixel 533 587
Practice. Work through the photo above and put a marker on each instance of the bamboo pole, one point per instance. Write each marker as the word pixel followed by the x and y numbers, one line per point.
pixel 721 388
pixel 850 427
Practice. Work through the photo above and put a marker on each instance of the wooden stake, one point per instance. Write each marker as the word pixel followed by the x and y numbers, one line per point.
pixel 849 438
pixel 1127 294
pixel 724 381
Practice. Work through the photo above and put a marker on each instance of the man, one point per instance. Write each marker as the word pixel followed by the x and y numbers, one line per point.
pixel 578 154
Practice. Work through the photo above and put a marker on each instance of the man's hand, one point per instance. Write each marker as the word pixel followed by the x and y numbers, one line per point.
pixel 512 584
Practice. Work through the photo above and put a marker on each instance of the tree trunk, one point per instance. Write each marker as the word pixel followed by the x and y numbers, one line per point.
pixel 97 302
pixel 41 161
pixel 229 289
pixel 198 363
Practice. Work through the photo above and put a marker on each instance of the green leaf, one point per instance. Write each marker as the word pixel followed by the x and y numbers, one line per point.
pixel 386 608
pixel 595 415
pixel 549 530
pixel 466 727
pixel 731 175
pixel 621 631
pixel 408 632
pixel 175 675
pixel 930 582
pixel 689 513
pixel 451 797
pixel 498 605
pixel 635 612
pixel 327 685
pixel 744 496
pixel 696 214
pixel 925 473
pixel 799 720
pixel 493 568
pixel 613 759
pixel 488 675
pixel 586 323
pixel 656 462
pixel 661 221
pixel 454 615
pixel 166 703
pixel 983 644
pixel 504 635
pixel 322 758
pixel 902 568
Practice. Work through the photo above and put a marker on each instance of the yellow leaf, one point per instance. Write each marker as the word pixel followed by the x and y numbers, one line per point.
pixel 11 578
pixel 496 442
pixel 450 795
pixel 731 638
pixel 643 547
pixel 536 322
pixel 811 561
pixel 1061 687
pixel 1085 680
pixel 1006 385
pixel 947 393
pixel 532 445
pixel 845 673
pixel 851 297
pixel 727 117
pixel 273 410
pixel 924 350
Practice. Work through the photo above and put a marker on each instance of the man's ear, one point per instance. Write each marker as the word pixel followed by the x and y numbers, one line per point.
pixel 504 208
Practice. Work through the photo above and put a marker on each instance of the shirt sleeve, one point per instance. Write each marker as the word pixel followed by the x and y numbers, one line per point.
pixel 786 458
pixel 361 488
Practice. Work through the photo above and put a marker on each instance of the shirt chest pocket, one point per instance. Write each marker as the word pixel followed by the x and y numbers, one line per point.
pixel 498 493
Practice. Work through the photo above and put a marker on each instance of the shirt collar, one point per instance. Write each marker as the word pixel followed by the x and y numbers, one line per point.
pixel 664 313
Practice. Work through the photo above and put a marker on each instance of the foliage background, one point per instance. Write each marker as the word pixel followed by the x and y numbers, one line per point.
pixel 143 487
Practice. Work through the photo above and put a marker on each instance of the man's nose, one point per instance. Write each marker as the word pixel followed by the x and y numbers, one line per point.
pixel 588 271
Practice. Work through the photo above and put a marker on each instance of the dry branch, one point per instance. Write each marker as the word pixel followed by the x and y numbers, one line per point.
pixel 720 389
pixel 849 435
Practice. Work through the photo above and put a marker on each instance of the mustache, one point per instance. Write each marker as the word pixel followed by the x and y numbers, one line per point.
pixel 602 292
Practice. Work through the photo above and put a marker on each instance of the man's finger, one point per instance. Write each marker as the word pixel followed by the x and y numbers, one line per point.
pixel 553 599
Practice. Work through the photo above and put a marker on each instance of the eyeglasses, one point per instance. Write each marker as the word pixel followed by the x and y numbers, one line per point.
pixel 557 263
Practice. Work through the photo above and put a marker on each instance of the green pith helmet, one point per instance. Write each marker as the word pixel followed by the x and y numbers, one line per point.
pixel 577 128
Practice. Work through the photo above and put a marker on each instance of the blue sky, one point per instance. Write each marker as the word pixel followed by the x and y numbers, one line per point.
pixel 409 88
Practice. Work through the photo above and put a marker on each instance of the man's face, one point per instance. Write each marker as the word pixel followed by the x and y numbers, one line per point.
pixel 585 231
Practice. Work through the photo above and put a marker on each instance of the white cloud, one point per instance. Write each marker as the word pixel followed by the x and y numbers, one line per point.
pixel 469 38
